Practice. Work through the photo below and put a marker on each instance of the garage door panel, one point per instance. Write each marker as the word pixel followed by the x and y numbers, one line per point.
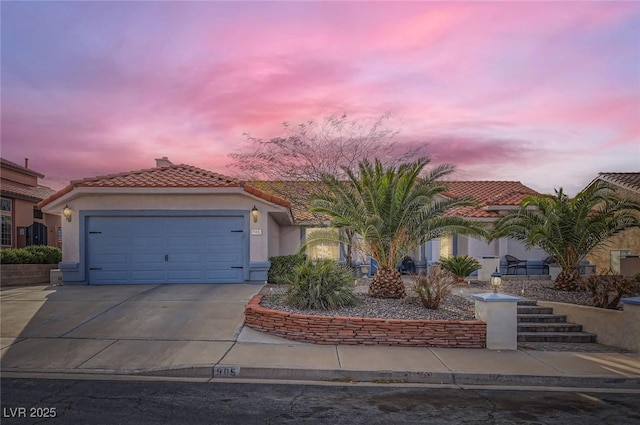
pixel 147 258
pixel 113 259
pixel 154 243
pixel 198 249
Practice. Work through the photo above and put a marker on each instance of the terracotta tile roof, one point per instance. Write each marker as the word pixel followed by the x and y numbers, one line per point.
pixel 171 176
pixel 489 193
pixel 628 180
pixel 12 165
pixel 35 193
pixel 500 192
pixel 298 193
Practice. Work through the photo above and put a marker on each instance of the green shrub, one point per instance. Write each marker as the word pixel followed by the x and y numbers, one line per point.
pixel 323 285
pixel 461 266
pixel 281 270
pixel 435 286
pixel 35 254
pixel 607 289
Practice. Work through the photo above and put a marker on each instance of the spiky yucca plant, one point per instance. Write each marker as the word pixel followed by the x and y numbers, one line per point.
pixel 435 286
pixel 323 285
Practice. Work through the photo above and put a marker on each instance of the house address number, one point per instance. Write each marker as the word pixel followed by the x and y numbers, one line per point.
pixel 226 371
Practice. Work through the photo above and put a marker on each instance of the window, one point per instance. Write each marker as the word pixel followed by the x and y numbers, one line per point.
pixel 446 246
pixel 323 249
pixel 7 222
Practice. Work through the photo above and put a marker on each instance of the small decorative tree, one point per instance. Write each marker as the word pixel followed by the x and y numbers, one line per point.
pixel 569 228
pixel 394 209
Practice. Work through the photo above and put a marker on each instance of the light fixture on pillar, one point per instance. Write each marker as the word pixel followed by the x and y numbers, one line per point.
pixel 496 280
pixel 254 214
pixel 66 212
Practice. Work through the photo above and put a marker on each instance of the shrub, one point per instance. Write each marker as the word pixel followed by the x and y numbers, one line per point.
pixel 461 266
pixel 435 286
pixel 607 289
pixel 35 254
pixel 323 285
pixel 282 266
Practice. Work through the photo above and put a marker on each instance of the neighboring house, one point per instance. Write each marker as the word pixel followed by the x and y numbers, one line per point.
pixel 182 224
pixel 22 223
pixel 608 257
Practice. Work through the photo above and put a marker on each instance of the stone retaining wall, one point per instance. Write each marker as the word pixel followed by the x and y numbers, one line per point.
pixel 365 331
pixel 25 274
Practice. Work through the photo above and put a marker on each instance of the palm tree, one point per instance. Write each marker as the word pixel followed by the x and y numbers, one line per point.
pixel 568 229
pixel 394 210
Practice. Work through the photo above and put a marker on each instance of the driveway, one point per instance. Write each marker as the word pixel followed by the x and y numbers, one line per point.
pixel 120 328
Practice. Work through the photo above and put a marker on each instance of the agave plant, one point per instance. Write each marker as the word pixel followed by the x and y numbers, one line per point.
pixel 460 265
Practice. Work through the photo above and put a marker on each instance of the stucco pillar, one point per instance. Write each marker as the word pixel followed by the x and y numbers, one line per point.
pixel 499 312
pixel 489 264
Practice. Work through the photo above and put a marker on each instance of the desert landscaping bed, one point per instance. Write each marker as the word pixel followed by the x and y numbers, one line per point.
pixel 403 322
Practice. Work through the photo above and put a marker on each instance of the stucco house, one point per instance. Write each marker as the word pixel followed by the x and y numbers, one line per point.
pixel 183 224
pixel 23 223
pixel 628 241
pixel 495 198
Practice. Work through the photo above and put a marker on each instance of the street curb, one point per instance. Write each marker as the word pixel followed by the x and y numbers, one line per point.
pixel 383 377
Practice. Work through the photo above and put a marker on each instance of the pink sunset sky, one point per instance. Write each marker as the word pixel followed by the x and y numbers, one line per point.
pixel 544 93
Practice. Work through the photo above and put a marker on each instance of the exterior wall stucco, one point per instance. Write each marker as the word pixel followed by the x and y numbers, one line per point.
pixel 629 239
pixel 289 240
pixel 19 177
pixel 601 257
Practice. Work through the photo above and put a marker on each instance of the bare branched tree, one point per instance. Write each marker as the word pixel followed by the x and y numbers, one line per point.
pixel 308 151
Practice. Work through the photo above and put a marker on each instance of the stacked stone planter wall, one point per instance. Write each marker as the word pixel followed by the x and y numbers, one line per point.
pixel 25 274
pixel 365 331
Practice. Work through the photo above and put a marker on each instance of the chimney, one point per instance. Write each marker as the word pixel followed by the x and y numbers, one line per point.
pixel 26 163
pixel 163 162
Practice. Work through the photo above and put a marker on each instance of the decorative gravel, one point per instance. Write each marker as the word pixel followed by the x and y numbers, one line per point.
pixel 539 290
pixel 457 306
pixel 453 307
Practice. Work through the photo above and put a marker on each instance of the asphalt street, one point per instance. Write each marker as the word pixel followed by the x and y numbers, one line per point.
pixel 66 401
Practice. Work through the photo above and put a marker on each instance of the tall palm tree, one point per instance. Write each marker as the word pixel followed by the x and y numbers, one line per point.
pixel 394 210
pixel 569 228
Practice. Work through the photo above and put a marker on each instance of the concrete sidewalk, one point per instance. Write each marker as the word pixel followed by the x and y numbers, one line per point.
pixel 197 331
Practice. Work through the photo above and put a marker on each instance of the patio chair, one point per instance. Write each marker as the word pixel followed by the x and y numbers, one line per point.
pixel 515 264
pixel 546 263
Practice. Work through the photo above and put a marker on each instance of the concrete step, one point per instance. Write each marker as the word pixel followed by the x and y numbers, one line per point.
pixel 549 327
pixel 556 337
pixel 542 318
pixel 528 302
pixel 534 309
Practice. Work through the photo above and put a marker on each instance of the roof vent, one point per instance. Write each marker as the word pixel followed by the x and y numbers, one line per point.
pixel 163 162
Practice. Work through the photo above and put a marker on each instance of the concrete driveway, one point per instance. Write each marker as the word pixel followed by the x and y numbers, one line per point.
pixel 120 328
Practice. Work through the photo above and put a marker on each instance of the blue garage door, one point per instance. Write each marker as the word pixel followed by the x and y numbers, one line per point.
pixel 130 250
